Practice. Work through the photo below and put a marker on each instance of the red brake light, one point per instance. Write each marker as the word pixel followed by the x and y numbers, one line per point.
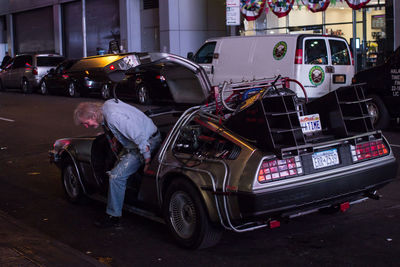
pixel 65 76
pixel 276 169
pixel 368 150
pixel 352 58
pixel 112 67
pixel 160 77
pixel 299 56
pixel 34 71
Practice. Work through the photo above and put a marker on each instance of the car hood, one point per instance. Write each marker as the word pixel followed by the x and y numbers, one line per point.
pixel 187 81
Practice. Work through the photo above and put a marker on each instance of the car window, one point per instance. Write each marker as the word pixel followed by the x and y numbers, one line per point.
pixel 22 61
pixel 339 52
pixel 205 53
pixel 48 61
pixel 315 52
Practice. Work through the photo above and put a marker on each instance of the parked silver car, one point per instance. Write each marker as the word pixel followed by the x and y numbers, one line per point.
pixel 26 71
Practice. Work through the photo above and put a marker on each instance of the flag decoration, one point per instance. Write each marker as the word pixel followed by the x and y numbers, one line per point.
pixel 252 9
pixel 357 4
pixel 280 7
pixel 316 5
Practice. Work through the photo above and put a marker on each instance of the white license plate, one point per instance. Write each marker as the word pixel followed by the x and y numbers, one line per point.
pixel 310 123
pixel 325 158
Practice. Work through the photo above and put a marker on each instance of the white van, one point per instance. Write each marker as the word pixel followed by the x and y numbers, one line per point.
pixel 321 63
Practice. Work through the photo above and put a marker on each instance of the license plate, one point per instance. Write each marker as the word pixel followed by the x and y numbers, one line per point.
pixel 310 123
pixel 325 158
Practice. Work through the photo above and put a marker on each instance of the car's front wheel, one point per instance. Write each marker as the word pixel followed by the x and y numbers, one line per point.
pixel 26 87
pixel 71 184
pixel 142 94
pixel 105 91
pixel 379 114
pixel 43 88
pixel 72 90
pixel 187 218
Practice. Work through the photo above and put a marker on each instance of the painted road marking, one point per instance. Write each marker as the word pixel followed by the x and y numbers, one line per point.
pixel 5 119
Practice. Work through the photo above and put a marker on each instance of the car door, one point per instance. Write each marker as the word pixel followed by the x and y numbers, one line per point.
pixel 312 73
pixel 340 69
pixel 5 74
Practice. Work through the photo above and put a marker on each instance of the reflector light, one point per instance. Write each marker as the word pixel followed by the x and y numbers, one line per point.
pixel 65 76
pixel 160 77
pixel 368 150
pixel 274 224
pixel 299 57
pixel 344 206
pixel 112 67
pixel 276 169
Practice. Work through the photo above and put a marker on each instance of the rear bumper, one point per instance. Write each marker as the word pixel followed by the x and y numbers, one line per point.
pixel 318 191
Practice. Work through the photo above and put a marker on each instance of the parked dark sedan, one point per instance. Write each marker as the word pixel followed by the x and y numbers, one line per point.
pixel 89 75
pixel 57 80
pixel 383 87
pixel 261 164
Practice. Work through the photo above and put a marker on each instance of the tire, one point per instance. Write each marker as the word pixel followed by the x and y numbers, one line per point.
pixel 71 90
pixel 105 91
pixel 377 109
pixel 187 218
pixel 43 88
pixel 71 184
pixel 142 94
pixel 25 86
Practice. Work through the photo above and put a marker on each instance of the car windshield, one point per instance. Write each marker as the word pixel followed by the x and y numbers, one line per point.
pixel 49 61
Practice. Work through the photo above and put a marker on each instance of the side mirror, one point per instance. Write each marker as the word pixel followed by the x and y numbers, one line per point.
pixel 190 56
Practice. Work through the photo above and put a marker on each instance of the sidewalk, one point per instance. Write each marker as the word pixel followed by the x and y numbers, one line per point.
pixel 23 246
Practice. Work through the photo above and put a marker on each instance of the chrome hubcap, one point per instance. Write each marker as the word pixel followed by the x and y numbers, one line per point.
pixel 182 214
pixel 373 111
pixel 43 88
pixel 71 89
pixel 142 94
pixel 71 183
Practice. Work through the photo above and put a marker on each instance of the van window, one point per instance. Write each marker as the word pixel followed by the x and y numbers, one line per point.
pixel 316 52
pixel 339 52
pixel 205 53
pixel 48 61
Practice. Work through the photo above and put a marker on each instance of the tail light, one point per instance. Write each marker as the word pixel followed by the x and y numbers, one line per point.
pixel 160 77
pixel 112 67
pixel 299 56
pixel 34 71
pixel 65 76
pixel 368 150
pixel 275 169
pixel 352 57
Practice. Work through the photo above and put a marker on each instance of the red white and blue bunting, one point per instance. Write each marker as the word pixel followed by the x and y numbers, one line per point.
pixel 316 5
pixel 357 4
pixel 252 9
pixel 280 7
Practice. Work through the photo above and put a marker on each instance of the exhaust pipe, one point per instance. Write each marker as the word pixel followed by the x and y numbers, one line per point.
pixel 373 195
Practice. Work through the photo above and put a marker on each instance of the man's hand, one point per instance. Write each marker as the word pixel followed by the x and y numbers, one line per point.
pixel 146 164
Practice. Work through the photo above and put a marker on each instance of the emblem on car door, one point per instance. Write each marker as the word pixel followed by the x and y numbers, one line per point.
pixel 280 50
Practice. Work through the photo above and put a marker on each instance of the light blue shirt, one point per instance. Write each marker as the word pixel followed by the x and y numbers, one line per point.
pixel 129 125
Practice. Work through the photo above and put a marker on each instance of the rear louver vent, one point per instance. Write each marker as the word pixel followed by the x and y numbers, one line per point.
pixel 149 4
pixel 344 111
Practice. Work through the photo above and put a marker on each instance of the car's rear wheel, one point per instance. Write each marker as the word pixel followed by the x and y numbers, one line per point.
pixel 26 87
pixel 105 91
pixel 379 114
pixel 72 92
pixel 187 218
pixel 142 94
pixel 43 88
pixel 71 184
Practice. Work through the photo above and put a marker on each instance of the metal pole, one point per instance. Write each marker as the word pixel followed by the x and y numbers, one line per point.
pixel 364 43
pixel 354 40
pixel 84 28
pixel 323 22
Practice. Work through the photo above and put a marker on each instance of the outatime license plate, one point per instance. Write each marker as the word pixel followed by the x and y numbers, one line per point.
pixel 325 158
pixel 310 123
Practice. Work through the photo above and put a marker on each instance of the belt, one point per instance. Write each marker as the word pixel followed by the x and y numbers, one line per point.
pixel 155 134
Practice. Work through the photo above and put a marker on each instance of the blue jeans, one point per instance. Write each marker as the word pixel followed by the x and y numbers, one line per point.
pixel 128 164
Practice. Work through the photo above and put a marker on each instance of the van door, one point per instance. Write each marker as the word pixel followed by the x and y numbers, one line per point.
pixel 204 58
pixel 312 73
pixel 341 68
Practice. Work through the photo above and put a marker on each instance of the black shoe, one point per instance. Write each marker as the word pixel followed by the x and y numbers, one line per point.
pixel 108 221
